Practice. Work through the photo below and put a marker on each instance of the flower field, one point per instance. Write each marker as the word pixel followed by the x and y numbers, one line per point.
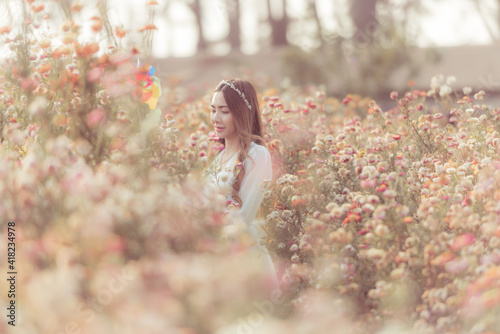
pixel 380 220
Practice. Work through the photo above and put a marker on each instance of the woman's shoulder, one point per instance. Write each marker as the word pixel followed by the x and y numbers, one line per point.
pixel 257 150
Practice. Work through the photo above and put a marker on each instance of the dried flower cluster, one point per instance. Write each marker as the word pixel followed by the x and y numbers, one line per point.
pixel 395 211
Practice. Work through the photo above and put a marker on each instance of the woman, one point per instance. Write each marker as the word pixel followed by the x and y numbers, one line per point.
pixel 243 168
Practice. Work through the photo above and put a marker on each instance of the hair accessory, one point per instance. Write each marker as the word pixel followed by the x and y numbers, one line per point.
pixel 240 93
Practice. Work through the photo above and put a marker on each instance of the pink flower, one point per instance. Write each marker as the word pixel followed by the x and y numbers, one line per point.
pixel 95 74
pixel 367 184
pixel 95 117
pixel 345 158
pixel 29 84
pixel 456 266
pixel 462 241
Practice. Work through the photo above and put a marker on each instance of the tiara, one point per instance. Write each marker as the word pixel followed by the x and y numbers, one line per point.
pixel 240 93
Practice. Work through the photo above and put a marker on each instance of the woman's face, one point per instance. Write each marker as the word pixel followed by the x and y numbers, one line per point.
pixel 222 118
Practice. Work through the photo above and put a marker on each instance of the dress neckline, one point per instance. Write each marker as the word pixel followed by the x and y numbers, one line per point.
pixel 227 161
pixel 252 143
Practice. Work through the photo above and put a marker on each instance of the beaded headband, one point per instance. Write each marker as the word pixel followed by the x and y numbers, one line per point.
pixel 240 93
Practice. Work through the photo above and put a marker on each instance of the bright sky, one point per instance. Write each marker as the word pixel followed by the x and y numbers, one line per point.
pixel 447 22
pixel 454 22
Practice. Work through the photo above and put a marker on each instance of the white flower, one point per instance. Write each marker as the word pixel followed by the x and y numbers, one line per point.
pixel 273 215
pixel 451 171
pixel 445 90
pixel 38 106
pixel 437 81
pixel 389 194
pixel 281 224
pixel 451 80
pixel 375 254
pixel 479 95
pixel 286 214
pixel 467 90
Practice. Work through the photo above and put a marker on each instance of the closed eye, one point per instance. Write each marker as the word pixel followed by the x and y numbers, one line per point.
pixel 225 111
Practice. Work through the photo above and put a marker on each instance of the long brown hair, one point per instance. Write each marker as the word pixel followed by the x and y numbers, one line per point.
pixel 247 121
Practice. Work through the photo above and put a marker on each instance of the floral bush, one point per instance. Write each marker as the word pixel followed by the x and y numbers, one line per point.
pixel 394 210
pixel 379 219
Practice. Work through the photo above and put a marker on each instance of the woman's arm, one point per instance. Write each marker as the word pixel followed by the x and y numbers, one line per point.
pixel 255 182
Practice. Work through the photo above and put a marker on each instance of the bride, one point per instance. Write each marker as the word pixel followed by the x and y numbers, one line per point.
pixel 243 168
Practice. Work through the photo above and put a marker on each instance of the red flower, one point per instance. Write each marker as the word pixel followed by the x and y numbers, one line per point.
pixel 87 50
pixel 347 99
pixel 120 33
pixel 61 51
pixel 467 200
pixel 148 27
pixel 97 26
pixel 351 216
pixel 383 187
pixel 298 202
pixel 38 8
pixel 408 220
pixel 77 7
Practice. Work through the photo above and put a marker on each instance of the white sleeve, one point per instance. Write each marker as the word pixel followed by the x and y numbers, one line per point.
pixel 252 186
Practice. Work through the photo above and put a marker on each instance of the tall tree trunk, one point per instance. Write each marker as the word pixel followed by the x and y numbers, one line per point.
pixel 198 14
pixel 202 42
pixel 279 27
pixel 364 19
pixel 233 14
pixel 314 10
pixel 498 20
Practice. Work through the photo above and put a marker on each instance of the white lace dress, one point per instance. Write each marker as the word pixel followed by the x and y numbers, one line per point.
pixel 258 174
